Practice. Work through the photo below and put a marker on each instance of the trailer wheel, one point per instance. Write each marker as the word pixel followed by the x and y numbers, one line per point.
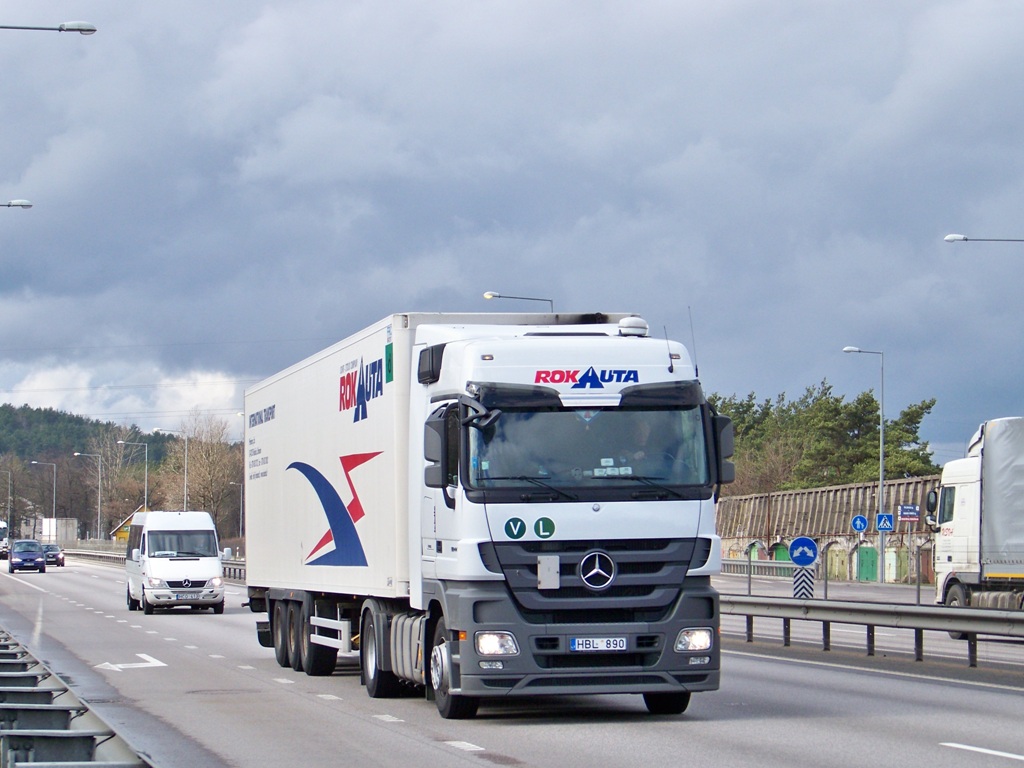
pixel 667 703
pixel 956 597
pixel 450 706
pixel 317 660
pixel 379 684
pixel 295 635
pixel 280 631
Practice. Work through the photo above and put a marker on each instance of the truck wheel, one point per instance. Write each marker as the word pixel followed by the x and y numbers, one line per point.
pixel 133 604
pixel 449 705
pixel 317 660
pixel 667 703
pixel 295 634
pixel 956 597
pixel 280 631
pixel 379 684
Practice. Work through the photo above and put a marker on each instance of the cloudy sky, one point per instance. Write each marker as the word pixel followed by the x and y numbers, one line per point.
pixel 222 188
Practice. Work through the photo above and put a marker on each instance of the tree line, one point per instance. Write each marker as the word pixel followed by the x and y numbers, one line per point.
pixel 38 448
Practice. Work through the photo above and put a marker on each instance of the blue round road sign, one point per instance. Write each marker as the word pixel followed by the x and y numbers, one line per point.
pixel 859 523
pixel 803 551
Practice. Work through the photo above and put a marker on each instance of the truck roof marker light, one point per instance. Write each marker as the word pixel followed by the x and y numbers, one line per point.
pixel 487 357
pixel 632 326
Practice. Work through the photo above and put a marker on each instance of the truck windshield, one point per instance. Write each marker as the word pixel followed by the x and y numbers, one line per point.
pixel 572 449
pixel 182 544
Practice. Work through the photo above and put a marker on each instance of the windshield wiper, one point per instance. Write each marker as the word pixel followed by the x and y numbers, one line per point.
pixel 192 554
pixel 538 482
pixel 646 481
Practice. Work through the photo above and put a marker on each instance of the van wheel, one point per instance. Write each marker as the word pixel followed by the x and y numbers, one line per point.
pixel 379 684
pixel 218 607
pixel 280 630
pixel 957 598
pixel 449 705
pixel 295 635
pixel 133 604
pixel 147 607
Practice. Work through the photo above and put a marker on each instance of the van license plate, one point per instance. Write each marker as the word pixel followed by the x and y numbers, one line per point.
pixel 588 644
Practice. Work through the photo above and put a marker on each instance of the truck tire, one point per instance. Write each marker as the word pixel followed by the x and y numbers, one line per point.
pixel 667 703
pixel 317 660
pixel 295 630
pixel 450 706
pixel 133 604
pixel 956 597
pixel 280 632
pixel 379 683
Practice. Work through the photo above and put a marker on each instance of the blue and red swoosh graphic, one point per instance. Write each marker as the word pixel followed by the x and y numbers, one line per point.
pixel 341 520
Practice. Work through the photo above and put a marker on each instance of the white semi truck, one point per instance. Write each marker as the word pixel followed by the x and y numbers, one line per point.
pixel 490 505
pixel 978 518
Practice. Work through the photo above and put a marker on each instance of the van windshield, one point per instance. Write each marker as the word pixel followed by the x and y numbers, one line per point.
pixel 182 544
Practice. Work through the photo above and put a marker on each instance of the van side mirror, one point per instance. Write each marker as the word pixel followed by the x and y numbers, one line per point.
pixel 226 554
pixel 136 554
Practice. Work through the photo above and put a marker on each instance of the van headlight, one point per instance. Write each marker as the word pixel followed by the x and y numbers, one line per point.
pixel 496 644
pixel 154 583
pixel 216 582
pixel 694 639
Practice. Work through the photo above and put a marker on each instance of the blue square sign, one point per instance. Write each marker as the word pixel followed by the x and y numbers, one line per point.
pixel 883 522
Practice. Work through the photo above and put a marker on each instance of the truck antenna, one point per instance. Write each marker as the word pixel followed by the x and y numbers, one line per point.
pixel 671 366
pixel 693 342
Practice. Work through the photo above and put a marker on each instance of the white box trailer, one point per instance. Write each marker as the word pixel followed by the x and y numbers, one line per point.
pixel 978 518
pixel 496 504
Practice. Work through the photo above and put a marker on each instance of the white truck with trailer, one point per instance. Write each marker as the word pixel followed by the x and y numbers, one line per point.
pixel 978 518
pixel 493 505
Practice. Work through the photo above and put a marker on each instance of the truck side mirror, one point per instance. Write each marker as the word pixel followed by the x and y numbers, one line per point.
pixel 931 502
pixel 436 473
pixel 726 441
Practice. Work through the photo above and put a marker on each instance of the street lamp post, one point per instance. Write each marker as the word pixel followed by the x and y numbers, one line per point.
pixel 494 295
pixel 881 455
pixel 50 464
pixel 145 493
pixel 241 507
pixel 16 204
pixel 99 492
pixel 10 482
pixel 184 497
pixel 81 27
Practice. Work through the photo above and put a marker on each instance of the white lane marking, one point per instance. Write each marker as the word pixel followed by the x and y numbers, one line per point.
pixel 147 661
pixel 387 718
pixel 883 672
pixel 216 656
pixel 326 696
pixel 26 583
pixel 994 753
pixel 465 746
pixel 284 681
pixel 245 666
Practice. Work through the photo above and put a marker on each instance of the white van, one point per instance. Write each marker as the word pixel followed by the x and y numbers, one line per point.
pixel 172 559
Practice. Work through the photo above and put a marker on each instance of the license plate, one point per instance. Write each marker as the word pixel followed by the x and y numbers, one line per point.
pixel 591 644
pixel 180 596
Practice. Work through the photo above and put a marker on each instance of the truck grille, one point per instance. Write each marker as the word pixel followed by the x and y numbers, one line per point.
pixel 648 579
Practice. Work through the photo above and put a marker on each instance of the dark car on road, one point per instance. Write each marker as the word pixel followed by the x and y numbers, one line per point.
pixel 27 554
pixel 54 554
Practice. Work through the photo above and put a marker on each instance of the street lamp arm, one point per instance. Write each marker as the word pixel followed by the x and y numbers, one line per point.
pixel 954 238
pixel 496 295
pixel 17 204
pixel 81 27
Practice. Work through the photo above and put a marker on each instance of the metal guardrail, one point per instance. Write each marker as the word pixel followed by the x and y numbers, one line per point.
pixel 43 721
pixel 969 622
pixel 776 569
pixel 234 570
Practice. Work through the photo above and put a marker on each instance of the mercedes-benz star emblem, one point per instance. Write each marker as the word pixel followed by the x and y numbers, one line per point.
pixel 597 570
pixel 186 583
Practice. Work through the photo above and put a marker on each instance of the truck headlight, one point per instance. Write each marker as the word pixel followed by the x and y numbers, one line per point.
pixel 496 644
pixel 695 639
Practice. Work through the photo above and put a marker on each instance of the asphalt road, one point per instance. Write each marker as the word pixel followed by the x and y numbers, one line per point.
pixel 194 689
